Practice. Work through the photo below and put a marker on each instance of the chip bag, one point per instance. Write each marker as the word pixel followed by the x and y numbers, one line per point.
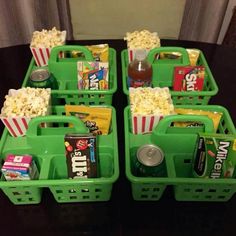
pixel 213 115
pixel 100 52
pixel 97 119
pixel 193 56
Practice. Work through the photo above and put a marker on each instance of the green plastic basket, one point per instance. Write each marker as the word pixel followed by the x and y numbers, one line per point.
pixel 64 71
pixel 46 145
pixel 163 73
pixel 178 145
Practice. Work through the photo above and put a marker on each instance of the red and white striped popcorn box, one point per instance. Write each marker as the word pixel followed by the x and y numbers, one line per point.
pixel 142 124
pixel 41 55
pixel 17 126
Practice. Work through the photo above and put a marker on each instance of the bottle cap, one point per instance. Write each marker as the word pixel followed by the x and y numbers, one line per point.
pixel 140 54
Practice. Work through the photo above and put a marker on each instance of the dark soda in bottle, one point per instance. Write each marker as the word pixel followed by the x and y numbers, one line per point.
pixel 139 71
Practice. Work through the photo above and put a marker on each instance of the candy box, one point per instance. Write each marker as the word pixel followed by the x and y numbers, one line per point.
pixel 21 106
pixel 20 167
pixel 188 78
pixel 93 75
pixel 215 156
pixel 81 156
pixel 42 43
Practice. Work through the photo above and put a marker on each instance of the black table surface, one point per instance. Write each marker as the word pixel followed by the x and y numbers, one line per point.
pixel 122 215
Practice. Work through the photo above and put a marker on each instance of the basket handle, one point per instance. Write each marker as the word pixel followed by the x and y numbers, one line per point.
pixel 77 123
pixel 152 54
pixel 163 124
pixel 56 50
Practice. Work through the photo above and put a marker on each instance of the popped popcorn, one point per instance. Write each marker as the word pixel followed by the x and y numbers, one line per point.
pixel 151 101
pixel 143 39
pixel 27 102
pixel 48 38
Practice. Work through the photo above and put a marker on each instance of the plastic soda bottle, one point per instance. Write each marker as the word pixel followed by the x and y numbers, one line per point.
pixel 139 71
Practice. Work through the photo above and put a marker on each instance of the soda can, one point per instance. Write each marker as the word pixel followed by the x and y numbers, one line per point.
pixel 150 161
pixel 41 78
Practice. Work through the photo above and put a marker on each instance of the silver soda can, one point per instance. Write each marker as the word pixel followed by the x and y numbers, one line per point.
pixel 41 78
pixel 150 161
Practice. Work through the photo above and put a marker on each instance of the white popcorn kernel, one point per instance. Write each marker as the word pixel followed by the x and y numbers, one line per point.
pixel 149 101
pixel 26 102
pixel 47 38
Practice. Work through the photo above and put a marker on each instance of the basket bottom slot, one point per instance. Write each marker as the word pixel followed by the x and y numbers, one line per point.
pixel 23 195
pixel 183 165
pixel 58 166
pixel 81 193
pixel 203 192
pixel 147 191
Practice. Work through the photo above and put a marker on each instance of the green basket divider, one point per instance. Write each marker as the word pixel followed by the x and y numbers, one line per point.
pixel 163 74
pixel 64 71
pixel 178 145
pixel 46 145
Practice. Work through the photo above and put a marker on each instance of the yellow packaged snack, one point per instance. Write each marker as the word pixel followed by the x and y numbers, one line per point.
pixel 215 116
pixel 97 119
pixel 100 52
pixel 170 55
pixel 193 56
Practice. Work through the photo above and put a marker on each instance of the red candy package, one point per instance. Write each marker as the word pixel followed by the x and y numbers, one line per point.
pixel 188 78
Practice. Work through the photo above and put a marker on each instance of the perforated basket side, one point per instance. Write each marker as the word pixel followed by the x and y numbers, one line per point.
pixel 22 195
pixel 81 193
pixel 147 191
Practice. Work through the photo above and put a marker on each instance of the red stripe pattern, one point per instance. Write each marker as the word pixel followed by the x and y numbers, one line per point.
pixel 144 124
pixel 16 126
pixel 35 56
pixel 10 129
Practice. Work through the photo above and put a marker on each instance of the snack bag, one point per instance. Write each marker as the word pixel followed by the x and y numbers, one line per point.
pixel 170 55
pixel 193 56
pixel 213 115
pixel 215 156
pixel 100 52
pixel 97 119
